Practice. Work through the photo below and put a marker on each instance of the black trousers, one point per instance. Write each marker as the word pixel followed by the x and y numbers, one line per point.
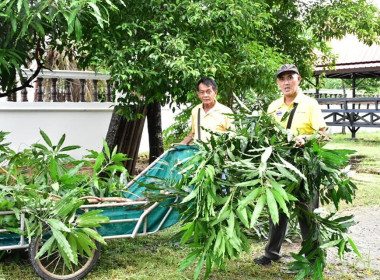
pixel 277 232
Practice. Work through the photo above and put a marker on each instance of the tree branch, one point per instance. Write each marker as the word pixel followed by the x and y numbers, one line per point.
pixel 25 84
pixel 31 78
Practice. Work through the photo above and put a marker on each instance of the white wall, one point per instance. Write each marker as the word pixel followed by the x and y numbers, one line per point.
pixel 167 119
pixel 84 124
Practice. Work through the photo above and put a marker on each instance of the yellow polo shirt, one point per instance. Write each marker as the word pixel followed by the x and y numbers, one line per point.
pixel 214 120
pixel 307 119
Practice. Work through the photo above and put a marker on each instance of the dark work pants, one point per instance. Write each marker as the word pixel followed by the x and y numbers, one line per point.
pixel 277 232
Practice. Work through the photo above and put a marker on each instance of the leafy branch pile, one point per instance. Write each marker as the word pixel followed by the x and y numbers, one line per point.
pixel 258 170
pixel 49 187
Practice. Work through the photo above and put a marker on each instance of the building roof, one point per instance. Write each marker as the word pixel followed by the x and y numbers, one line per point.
pixel 354 58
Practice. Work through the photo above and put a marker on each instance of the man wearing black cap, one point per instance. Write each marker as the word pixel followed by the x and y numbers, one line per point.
pixel 305 117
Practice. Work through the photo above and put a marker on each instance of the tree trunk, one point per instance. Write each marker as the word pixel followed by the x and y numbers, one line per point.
pixel 126 135
pixel 156 144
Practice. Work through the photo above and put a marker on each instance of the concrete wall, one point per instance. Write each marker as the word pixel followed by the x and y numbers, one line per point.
pixel 84 124
pixel 167 119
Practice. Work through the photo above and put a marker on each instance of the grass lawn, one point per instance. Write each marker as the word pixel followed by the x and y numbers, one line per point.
pixel 365 165
pixel 156 257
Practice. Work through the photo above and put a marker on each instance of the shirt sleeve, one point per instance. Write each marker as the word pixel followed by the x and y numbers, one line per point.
pixel 317 120
pixel 229 120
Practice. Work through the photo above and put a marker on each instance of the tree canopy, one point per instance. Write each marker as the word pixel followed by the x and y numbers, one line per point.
pixel 29 28
pixel 156 50
pixel 159 49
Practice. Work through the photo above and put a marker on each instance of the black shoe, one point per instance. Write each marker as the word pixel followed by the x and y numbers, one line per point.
pixel 263 261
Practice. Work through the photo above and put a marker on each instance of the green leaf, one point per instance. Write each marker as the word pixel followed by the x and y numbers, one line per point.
pixel 53 169
pixel 190 196
pixel 78 29
pixel 230 155
pixel 242 214
pixel 223 214
pixel 26 7
pixel 292 167
pixel 279 188
pixel 231 225
pixel 250 183
pixel 106 149
pixel 210 171
pixel 285 172
pixel 19 5
pixel 330 244
pixel 45 247
pixel 46 138
pixel 99 161
pixel 64 247
pixel 189 232
pixel 57 225
pixel 265 156
pixel 219 244
pixel 85 243
pixel 96 14
pixel 14 24
pixel 258 209
pixel 71 21
pixel 40 146
pixel 318 269
pixel 342 245
pixel 70 148
pixel 119 157
pixel 354 247
pixel 72 172
pixel 91 219
pixel 272 205
pixel 94 234
pixel 66 201
pixel 189 259
pixel 280 200
pixel 60 142
pixel 72 239
pixel 65 209
pixel 250 197
pixel 199 267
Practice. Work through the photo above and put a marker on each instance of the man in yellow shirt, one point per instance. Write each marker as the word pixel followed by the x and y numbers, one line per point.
pixel 305 117
pixel 210 114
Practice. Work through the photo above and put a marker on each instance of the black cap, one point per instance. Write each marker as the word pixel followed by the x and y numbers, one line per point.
pixel 287 68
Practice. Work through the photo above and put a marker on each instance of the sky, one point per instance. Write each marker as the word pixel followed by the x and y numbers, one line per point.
pixel 377 3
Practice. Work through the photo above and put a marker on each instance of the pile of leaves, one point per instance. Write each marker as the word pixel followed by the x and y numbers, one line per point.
pixel 256 171
pixel 48 186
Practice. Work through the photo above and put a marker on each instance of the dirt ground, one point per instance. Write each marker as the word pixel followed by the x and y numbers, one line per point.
pixel 365 235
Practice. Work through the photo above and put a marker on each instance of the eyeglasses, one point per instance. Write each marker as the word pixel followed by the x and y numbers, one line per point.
pixel 287 78
pixel 203 92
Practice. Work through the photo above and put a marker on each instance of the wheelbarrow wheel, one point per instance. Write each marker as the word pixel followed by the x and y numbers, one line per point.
pixel 53 267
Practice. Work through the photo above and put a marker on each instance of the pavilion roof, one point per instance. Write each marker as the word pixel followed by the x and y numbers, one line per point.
pixel 354 58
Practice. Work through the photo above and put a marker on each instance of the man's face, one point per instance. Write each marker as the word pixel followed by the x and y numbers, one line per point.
pixel 206 94
pixel 288 82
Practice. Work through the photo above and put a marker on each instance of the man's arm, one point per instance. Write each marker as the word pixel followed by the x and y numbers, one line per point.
pixel 301 139
pixel 188 139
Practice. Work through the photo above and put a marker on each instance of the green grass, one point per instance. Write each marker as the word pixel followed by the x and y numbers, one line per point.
pixel 368 193
pixel 367 156
pixel 361 136
pixel 156 257
pixel 365 165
